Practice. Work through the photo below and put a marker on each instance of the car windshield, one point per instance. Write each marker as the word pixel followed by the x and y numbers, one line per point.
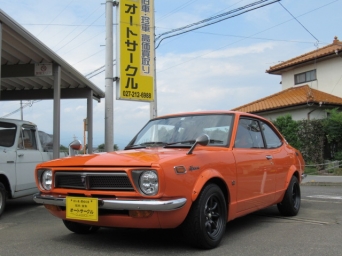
pixel 7 134
pixel 183 131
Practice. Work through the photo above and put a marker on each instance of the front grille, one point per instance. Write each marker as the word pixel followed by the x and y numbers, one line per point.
pixel 117 181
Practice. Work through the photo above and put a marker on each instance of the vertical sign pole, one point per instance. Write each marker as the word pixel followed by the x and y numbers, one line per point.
pixel 109 93
pixel 153 104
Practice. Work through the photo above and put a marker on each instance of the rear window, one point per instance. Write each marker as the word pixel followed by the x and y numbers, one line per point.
pixel 7 134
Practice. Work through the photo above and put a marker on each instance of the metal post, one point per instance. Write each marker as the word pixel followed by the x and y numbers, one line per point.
pixel 153 104
pixel 109 106
pixel 0 54
pixel 21 110
pixel 84 136
pixel 56 109
pixel 90 121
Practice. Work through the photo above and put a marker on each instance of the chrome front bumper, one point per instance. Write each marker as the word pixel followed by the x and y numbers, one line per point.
pixel 119 204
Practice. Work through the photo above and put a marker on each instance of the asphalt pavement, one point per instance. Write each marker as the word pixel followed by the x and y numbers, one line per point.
pixel 322 180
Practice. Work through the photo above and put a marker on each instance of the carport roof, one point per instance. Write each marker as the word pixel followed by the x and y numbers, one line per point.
pixel 20 54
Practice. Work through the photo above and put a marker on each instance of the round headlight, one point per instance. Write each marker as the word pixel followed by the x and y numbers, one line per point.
pixel 148 183
pixel 46 179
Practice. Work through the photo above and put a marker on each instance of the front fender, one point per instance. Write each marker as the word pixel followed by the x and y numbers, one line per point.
pixel 203 179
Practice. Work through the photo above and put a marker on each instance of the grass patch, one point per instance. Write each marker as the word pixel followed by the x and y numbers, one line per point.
pixel 310 170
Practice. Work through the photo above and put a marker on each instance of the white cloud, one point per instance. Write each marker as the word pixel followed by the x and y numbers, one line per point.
pixel 195 71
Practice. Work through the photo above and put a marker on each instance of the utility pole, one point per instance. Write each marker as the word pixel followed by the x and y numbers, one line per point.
pixel 109 92
pixel 21 110
pixel 154 104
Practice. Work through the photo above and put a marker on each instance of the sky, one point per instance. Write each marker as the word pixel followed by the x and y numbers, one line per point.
pixel 217 67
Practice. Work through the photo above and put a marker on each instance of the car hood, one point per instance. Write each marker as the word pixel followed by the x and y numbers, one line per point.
pixel 139 157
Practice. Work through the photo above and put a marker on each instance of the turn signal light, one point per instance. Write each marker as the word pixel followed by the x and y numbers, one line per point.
pixel 140 214
pixel 52 207
pixel 180 169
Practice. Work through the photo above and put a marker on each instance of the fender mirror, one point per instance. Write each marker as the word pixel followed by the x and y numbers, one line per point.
pixel 203 140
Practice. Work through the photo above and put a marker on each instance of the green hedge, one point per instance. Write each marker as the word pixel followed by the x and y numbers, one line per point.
pixel 318 140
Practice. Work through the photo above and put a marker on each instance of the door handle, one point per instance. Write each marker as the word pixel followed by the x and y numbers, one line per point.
pixel 268 157
pixel 20 155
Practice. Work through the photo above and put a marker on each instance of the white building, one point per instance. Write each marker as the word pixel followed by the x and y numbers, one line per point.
pixel 311 84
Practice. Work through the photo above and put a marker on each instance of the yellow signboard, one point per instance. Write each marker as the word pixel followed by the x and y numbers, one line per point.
pixel 82 208
pixel 136 54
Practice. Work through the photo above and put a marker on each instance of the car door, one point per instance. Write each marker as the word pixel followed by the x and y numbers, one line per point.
pixel 28 156
pixel 255 178
pixel 281 160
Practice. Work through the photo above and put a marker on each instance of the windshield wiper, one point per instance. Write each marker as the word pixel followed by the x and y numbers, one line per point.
pixel 181 142
pixel 190 142
pixel 146 144
pixel 216 141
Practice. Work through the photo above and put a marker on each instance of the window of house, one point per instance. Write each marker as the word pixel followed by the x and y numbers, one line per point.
pixel 305 77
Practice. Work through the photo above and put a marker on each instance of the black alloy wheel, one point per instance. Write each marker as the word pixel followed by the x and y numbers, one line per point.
pixel 205 224
pixel 290 204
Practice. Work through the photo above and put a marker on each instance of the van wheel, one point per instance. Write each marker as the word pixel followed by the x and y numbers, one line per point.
pixel 205 224
pixel 290 204
pixel 80 228
pixel 3 197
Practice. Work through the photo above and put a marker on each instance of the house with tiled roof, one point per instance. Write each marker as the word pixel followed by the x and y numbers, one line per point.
pixel 311 83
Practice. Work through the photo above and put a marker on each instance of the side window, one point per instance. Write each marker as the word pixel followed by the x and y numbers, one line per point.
pixel 27 138
pixel 272 139
pixel 248 134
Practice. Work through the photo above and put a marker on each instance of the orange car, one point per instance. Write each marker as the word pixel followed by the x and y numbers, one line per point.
pixel 193 170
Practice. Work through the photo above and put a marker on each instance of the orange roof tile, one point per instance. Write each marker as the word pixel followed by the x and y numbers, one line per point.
pixel 316 54
pixel 290 97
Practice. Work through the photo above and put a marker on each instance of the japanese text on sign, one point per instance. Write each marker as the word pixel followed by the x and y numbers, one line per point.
pixel 82 208
pixel 136 50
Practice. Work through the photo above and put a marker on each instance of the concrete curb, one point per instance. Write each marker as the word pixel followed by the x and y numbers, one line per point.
pixel 322 180
pixel 311 183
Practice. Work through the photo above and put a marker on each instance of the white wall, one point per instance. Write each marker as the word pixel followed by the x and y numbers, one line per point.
pixel 328 74
pixel 298 114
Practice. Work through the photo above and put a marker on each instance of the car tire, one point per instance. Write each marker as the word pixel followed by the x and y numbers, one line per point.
pixel 3 198
pixel 206 221
pixel 290 204
pixel 80 228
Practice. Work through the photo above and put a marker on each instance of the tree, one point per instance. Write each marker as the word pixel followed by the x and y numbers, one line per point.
pixel 63 148
pixel 289 129
pixel 333 127
pixel 102 147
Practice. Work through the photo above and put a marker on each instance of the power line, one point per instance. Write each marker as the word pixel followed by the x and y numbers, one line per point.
pixel 91 74
pixel 29 104
pixel 88 57
pixel 79 33
pixel 56 16
pixel 299 22
pixel 248 36
pixel 76 27
pixel 242 10
pixel 177 9
pixel 61 25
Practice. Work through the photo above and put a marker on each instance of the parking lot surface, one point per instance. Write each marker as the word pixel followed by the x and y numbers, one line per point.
pixel 28 229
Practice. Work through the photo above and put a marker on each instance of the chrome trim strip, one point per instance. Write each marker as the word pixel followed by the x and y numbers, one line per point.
pixel 119 204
